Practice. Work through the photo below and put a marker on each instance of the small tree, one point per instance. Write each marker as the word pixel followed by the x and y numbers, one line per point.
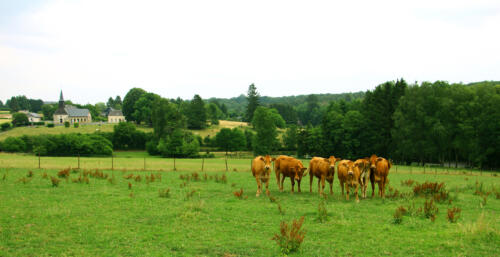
pixel 20 119
pixel 66 124
pixel 76 124
pixel 264 123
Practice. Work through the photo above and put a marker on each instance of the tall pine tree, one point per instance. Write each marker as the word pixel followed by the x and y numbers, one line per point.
pixel 253 102
pixel 197 115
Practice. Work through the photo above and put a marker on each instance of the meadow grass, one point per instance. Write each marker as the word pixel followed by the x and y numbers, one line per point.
pixel 5 120
pixel 204 218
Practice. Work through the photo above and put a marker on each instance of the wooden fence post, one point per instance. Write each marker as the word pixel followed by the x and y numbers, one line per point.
pixel 226 161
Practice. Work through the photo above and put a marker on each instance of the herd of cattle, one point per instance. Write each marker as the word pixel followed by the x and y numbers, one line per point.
pixel 350 174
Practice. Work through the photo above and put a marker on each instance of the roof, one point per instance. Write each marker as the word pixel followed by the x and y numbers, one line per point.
pixel 34 115
pixel 115 113
pixel 61 111
pixel 75 112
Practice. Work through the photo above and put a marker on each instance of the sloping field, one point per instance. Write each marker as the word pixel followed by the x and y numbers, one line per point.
pixel 212 130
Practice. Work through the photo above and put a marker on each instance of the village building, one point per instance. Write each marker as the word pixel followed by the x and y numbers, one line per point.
pixel 32 117
pixel 70 113
pixel 113 115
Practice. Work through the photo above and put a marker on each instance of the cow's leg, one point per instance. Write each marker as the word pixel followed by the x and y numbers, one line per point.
pixel 258 186
pixel 357 188
pixel 331 188
pixel 319 186
pixel 298 185
pixel 322 184
pixel 278 180
pixel 373 187
pixel 384 180
pixel 342 187
pixel 310 182
pixel 282 181
pixel 267 187
pixel 380 187
pixel 293 183
pixel 347 192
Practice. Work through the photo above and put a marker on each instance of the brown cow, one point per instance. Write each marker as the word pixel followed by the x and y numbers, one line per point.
pixel 261 169
pixel 379 169
pixel 323 169
pixel 289 167
pixel 364 167
pixel 348 175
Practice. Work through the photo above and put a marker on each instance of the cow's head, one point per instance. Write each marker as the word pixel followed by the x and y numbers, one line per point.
pixel 332 160
pixel 299 171
pixel 267 161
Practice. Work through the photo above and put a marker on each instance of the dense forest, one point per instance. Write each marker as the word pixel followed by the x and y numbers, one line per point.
pixel 441 123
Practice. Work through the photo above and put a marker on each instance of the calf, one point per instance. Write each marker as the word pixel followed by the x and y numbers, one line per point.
pixel 348 175
pixel 323 169
pixel 261 170
pixel 364 167
pixel 289 167
pixel 379 170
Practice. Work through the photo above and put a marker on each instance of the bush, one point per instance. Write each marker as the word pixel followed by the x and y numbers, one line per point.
pixel 13 145
pixel 290 238
pixel 398 215
pixel 39 123
pixel 66 124
pixel 6 126
pixel 430 210
pixel 50 125
pixel 179 144
pixel 20 119
pixel 76 124
pixel 454 214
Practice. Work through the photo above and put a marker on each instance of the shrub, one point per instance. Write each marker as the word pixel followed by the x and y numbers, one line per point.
pixel 430 210
pixel 398 215
pixel 55 181
pixel 66 124
pixel 76 124
pixel 454 214
pixel 290 237
pixel 13 145
pixel 39 123
pixel 164 193
pixel 6 126
pixel 20 119
pixel 50 125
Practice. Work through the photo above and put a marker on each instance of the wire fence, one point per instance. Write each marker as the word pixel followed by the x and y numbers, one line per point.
pixel 221 162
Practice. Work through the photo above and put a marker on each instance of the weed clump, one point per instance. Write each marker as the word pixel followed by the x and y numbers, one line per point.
pixel 138 178
pixel 24 180
pixel 435 190
pixel 44 175
pixel 63 173
pixel 322 212
pixel 164 193
pixel 129 185
pixel 55 181
pixel 239 194
pixel 129 176
pixel 30 174
pixel 430 210
pixel 454 214
pixel 398 215
pixel 408 182
pixel 290 237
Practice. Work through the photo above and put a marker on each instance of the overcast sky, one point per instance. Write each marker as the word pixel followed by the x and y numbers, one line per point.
pixel 96 49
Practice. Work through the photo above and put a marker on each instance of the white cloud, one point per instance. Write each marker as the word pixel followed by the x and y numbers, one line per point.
pixel 96 49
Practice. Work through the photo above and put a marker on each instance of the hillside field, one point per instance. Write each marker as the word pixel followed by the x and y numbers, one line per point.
pixel 84 129
pixel 202 217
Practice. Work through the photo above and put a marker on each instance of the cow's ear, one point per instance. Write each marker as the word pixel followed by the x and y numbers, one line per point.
pixel 273 159
pixel 262 159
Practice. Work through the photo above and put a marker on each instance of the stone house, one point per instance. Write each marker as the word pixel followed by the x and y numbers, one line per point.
pixel 70 113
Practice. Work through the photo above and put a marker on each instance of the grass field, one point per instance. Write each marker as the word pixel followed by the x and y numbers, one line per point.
pixel 38 130
pixel 212 130
pixel 204 218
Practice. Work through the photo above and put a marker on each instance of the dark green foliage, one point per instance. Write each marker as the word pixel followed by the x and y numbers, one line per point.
pixel 310 111
pixel 126 137
pixel 6 126
pixel 17 103
pixel 250 137
pixel 20 119
pixel 290 138
pixel 60 145
pixel 129 102
pixel 264 123
pixel 50 125
pixel 66 124
pixel 143 108
pixel 252 102
pixel 230 139
pixel 214 113
pixel 76 124
pixel 48 111
pixel 181 144
pixel 166 118
pixel 196 114
pixel 286 111
pixel 35 105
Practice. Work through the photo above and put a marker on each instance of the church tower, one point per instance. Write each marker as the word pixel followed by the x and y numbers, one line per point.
pixel 60 115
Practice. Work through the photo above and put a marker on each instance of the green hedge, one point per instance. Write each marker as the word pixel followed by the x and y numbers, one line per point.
pixel 59 145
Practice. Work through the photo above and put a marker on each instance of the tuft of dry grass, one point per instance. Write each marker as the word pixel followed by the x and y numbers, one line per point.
pixel 164 193
pixel 63 173
pixel 430 210
pixel 30 174
pixel 408 182
pixel 239 194
pixel 454 214
pixel 129 185
pixel 398 215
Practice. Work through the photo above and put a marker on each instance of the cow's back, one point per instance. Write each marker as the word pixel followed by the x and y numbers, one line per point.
pixel 342 170
pixel 317 166
pixel 383 168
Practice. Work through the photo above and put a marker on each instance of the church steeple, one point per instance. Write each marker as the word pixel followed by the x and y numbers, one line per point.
pixel 61 101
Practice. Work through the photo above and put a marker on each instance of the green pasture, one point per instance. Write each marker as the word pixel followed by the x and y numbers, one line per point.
pixel 38 130
pixel 203 218
pixel 5 120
